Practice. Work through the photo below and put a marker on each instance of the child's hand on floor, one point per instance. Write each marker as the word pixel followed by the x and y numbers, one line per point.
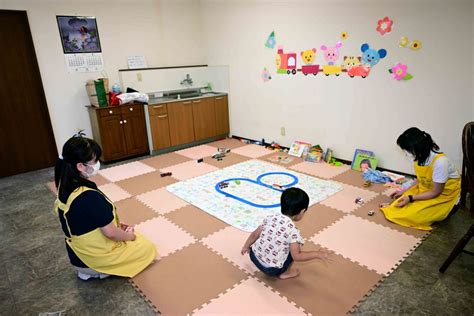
pixel 323 254
pixel 244 250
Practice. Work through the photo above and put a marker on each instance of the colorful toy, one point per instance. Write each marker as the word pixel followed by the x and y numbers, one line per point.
pixel 370 213
pixel 218 156
pixel 359 201
pixel 371 56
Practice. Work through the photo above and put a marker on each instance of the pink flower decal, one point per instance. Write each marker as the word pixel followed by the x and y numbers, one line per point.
pixel 399 72
pixel 384 25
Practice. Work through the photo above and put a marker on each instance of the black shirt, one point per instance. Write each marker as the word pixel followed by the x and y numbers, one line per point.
pixel 89 211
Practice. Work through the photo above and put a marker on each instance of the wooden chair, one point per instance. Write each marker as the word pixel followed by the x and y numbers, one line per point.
pixel 458 249
pixel 467 186
pixel 467 174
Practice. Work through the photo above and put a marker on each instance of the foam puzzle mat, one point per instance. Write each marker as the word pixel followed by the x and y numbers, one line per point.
pixel 201 270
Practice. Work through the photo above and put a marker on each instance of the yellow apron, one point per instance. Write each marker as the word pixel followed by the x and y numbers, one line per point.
pixel 122 258
pixel 421 214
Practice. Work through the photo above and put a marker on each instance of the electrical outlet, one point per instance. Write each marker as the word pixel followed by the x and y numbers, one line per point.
pixel 283 131
pixel 139 76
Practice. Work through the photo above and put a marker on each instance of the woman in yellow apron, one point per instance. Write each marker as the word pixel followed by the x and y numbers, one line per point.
pixel 437 188
pixel 98 244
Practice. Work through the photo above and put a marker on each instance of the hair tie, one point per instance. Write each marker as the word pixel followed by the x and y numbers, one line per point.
pixel 80 133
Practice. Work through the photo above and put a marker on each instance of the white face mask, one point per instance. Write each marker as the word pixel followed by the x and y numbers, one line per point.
pixel 95 169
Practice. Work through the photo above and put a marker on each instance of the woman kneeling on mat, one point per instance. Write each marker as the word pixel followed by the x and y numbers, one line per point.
pixel 436 190
pixel 97 243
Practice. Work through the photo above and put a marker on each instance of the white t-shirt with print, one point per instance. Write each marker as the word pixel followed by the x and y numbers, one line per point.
pixel 443 168
pixel 273 245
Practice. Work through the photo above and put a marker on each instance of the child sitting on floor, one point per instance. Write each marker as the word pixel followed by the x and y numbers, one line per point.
pixel 276 243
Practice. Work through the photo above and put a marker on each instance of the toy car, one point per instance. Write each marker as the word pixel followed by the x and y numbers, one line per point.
pixel 218 155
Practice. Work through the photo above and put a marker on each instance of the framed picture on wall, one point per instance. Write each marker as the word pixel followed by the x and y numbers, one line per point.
pixel 79 34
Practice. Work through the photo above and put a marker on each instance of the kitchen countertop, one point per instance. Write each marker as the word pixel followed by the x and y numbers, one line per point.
pixel 162 100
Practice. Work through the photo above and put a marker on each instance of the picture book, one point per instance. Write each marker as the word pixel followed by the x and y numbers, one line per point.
pixel 362 152
pixel 299 148
pixel 315 154
pixel 371 161
pixel 328 155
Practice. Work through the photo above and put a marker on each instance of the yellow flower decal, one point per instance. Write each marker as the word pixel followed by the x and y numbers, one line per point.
pixel 415 45
pixel 344 35
pixel 403 41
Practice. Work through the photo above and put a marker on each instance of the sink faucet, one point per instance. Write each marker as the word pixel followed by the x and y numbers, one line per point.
pixel 187 81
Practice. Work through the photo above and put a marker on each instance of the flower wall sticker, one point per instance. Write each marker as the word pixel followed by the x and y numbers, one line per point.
pixel 415 45
pixel 384 25
pixel 403 41
pixel 270 43
pixel 400 72
pixel 344 35
pixel 266 75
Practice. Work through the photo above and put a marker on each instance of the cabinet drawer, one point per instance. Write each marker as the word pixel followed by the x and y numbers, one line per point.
pixel 157 109
pixel 131 108
pixel 109 111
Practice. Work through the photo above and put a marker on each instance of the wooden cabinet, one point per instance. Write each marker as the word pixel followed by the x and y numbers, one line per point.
pixel 159 124
pixel 222 115
pixel 204 118
pixel 120 130
pixel 181 122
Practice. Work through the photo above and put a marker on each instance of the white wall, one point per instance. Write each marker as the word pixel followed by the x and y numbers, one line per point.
pixel 166 32
pixel 346 113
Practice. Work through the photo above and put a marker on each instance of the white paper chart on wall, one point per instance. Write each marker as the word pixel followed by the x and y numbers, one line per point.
pixel 84 62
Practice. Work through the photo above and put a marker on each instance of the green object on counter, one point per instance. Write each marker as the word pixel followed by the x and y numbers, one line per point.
pixel 101 94
pixel 237 181
pixel 209 86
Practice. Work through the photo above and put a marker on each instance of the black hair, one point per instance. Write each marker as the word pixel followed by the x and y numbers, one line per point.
pixel 418 143
pixel 293 201
pixel 367 161
pixel 67 178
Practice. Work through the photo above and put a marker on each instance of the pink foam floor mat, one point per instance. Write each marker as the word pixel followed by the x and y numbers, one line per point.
pixel 201 270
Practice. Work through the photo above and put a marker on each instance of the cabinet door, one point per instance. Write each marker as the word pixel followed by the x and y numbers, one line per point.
pixel 160 131
pixel 180 116
pixel 222 115
pixel 204 118
pixel 135 131
pixel 112 137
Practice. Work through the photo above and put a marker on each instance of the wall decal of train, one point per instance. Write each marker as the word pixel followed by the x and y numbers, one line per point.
pixel 354 66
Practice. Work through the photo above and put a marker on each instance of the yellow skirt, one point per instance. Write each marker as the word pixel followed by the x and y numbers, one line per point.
pixel 421 214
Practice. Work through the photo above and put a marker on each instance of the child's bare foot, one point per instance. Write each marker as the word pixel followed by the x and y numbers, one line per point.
pixel 290 273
